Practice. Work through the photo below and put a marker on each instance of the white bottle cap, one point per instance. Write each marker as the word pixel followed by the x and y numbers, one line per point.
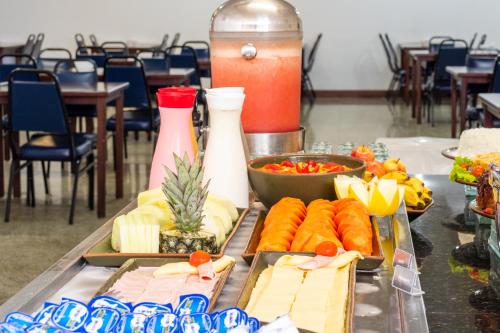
pixel 225 101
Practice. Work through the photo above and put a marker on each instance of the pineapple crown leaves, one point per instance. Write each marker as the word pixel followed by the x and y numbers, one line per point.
pixel 185 193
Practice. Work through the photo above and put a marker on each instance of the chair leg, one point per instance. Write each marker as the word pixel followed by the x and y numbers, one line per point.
pixel 90 174
pixel 31 181
pixel 114 151
pixel 45 176
pixel 76 175
pixel 125 145
pixel 9 190
pixel 28 186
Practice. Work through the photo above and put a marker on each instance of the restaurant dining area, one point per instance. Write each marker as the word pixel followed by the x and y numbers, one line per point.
pixel 249 166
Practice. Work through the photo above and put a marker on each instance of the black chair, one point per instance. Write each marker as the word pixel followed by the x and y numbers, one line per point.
pixel 113 48
pixel 154 60
pixel 37 107
pixel 30 43
pixel 398 74
pixel 435 42
pixel 48 58
pixel 93 40
pixel 79 73
pixel 185 57
pixel 139 115
pixel 176 39
pixel 80 40
pixel 94 53
pixel 9 62
pixel 451 52
pixel 35 52
pixel 307 66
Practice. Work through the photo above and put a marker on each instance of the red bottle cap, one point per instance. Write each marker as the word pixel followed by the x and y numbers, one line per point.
pixel 176 97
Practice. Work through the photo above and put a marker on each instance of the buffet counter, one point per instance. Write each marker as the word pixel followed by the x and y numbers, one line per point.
pixel 378 306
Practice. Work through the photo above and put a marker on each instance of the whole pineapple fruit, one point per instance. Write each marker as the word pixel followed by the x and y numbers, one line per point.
pixel 186 196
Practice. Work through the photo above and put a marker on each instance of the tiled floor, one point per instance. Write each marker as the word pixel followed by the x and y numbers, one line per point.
pixel 36 237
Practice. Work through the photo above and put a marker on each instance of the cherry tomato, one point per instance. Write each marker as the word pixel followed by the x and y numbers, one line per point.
pixel 198 258
pixel 288 164
pixel 327 249
pixel 312 163
pixel 478 171
pixel 489 211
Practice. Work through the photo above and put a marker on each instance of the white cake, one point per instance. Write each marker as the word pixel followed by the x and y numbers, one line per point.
pixel 479 141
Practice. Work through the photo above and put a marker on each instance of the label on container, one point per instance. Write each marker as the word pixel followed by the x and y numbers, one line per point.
pixel 149 308
pixel 43 328
pixel 193 303
pixel 19 319
pixel 132 323
pixel 43 316
pixel 196 323
pixel 230 318
pixel 10 328
pixel 253 324
pixel 102 320
pixel 70 315
pixel 109 302
pixel 162 323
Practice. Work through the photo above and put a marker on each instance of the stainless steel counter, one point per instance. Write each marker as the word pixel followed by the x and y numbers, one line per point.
pixel 379 307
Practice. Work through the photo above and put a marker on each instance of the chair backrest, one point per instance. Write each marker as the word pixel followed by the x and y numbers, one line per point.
pixel 451 52
pixel 48 58
pixel 472 41
pixel 312 55
pixel 37 106
pixel 77 72
pixel 201 48
pixel 112 48
pixel 435 41
pixel 186 58
pixel 176 39
pixel 495 79
pixel 154 60
pixel 80 40
pixel 129 69
pixel 93 40
pixel 9 62
pixel 387 53
pixel 30 43
pixel 38 45
pixel 392 50
pixel 96 53
pixel 482 41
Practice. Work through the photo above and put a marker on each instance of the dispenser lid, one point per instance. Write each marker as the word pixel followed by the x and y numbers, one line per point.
pixel 256 16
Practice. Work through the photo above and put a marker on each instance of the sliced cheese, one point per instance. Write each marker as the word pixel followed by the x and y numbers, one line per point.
pixel 185 268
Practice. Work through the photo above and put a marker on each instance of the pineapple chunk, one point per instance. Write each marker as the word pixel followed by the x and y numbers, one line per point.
pixel 215 209
pixel 151 196
pixel 214 225
pixel 230 207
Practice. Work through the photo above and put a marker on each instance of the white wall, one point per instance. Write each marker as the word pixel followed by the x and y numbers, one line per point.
pixel 350 56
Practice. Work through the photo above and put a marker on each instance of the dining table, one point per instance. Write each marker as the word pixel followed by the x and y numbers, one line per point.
pixel 419 58
pixel 405 49
pixel 491 105
pixel 171 77
pixel 461 77
pixel 100 95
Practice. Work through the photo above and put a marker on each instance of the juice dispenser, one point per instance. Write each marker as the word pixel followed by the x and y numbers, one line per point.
pixel 257 44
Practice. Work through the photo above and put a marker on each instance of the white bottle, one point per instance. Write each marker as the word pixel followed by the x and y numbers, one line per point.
pixel 224 160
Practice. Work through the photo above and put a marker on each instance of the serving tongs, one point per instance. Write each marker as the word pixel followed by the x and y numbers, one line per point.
pixel 495 184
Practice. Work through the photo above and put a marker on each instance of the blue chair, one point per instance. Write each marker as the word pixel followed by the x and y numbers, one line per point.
pixel 435 42
pixel 154 60
pixel 37 108
pixel 185 57
pixel 78 73
pixel 451 52
pixel 94 53
pixel 202 50
pixel 80 40
pixel 48 58
pixel 139 115
pixel 93 40
pixel 113 48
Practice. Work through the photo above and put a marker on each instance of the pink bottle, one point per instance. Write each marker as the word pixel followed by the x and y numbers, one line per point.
pixel 176 131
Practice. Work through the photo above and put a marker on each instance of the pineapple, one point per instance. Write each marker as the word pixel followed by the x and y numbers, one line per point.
pixel 186 197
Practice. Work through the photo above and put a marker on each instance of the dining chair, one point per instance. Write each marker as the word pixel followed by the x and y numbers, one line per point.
pixel 35 52
pixel 435 42
pixel 139 115
pixel 37 108
pixel 185 57
pixel 30 43
pixel 48 57
pixel 451 52
pixel 176 39
pixel 94 53
pixel 93 40
pixel 307 66
pixel 202 50
pixel 154 60
pixel 115 48
pixel 482 41
pixel 80 40
pixel 398 74
pixel 472 41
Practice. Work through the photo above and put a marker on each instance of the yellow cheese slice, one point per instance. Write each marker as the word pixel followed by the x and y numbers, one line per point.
pixel 337 308
pixel 345 259
pixel 262 282
pixel 185 268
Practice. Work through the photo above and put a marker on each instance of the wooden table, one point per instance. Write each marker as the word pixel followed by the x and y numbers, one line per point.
pixel 491 105
pixel 136 47
pixel 465 76
pixel 100 96
pixel 11 48
pixel 419 58
pixel 173 77
pixel 405 49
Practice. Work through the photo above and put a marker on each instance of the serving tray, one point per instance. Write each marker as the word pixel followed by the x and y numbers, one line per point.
pixel 102 254
pixel 368 263
pixel 413 211
pixel 473 206
pixel 266 258
pixel 133 264
pixel 450 153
